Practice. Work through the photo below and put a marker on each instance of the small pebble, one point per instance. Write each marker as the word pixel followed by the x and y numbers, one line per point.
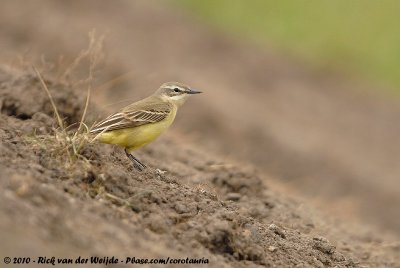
pixel 233 196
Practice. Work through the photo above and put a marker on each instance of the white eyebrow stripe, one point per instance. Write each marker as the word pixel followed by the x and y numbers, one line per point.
pixel 175 86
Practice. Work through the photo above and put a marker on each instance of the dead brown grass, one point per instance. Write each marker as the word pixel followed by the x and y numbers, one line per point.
pixel 66 141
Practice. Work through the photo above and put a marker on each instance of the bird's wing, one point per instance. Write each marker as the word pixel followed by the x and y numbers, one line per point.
pixel 140 113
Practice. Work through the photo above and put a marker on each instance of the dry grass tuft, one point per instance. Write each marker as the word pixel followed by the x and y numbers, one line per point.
pixel 66 142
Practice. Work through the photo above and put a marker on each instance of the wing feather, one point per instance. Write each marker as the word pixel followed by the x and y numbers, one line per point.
pixel 147 111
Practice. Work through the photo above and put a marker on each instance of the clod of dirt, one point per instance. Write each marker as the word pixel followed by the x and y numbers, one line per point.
pixel 277 230
pixel 323 245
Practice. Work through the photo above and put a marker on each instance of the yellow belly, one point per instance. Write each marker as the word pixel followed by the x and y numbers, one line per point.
pixel 134 138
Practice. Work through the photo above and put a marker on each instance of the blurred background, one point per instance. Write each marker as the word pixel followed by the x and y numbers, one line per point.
pixel 306 91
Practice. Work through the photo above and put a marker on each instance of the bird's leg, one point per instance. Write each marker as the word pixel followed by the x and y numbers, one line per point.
pixel 136 163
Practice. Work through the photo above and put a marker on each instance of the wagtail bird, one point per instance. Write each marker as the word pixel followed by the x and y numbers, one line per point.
pixel 142 122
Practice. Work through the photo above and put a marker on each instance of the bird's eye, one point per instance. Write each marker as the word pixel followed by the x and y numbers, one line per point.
pixel 177 90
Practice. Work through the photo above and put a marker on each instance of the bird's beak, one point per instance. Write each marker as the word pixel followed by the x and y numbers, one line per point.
pixel 192 91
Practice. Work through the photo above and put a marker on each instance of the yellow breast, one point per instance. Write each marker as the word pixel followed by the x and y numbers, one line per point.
pixel 136 137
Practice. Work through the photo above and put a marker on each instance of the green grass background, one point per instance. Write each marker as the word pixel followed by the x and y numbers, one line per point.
pixel 360 36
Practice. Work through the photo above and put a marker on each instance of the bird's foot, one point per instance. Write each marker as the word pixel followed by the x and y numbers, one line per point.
pixel 136 163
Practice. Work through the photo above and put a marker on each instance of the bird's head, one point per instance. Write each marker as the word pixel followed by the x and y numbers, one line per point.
pixel 175 92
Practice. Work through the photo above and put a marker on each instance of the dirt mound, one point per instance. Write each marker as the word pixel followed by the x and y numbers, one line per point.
pixel 324 134
pixel 191 206
pixel 13 87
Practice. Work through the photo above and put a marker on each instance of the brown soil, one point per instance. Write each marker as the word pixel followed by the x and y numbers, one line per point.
pixel 323 137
